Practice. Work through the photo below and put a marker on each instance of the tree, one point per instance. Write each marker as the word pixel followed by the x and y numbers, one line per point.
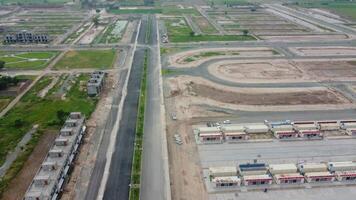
pixel 62 115
pixel 96 21
pixel 19 123
pixel 192 33
pixel 2 64
pixel 245 32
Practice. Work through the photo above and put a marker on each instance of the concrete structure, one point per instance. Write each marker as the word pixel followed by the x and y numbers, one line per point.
pixel 301 126
pixel 50 178
pixel 282 168
pixel 26 37
pixel 285 134
pixel 350 131
pixel 95 83
pixel 256 128
pixel 346 176
pixel 210 135
pixel 252 169
pixel 349 124
pixel 277 124
pixel 286 127
pixel 328 125
pixel 226 181
pixel 257 180
pixel 341 166
pixel 313 177
pixel 310 134
pixel 312 167
pixel 222 171
pixel 293 178
pixel 234 133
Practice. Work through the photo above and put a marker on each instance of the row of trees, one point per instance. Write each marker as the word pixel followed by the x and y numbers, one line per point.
pixel 6 81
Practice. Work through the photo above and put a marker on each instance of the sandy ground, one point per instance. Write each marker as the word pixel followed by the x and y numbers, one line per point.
pixel 91 34
pixel 21 182
pixel 324 51
pixel 280 70
pixel 186 96
pixel 300 38
pixel 179 59
pixel 131 27
pixel 86 158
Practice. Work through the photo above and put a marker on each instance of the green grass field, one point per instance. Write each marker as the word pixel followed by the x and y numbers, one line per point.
pixel 27 60
pixel 100 59
pixel 345 9
pixel 34 1
pixel 179 31
pixel 136 11
pixel 33 110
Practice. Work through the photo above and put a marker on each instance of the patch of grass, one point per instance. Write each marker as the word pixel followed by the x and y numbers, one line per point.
pixel 42 111
pixel 179 31
pixel 100 59
pixel 135 11
pixel 27 60
pixel 345 9
pixel 166 72
pixel 174 10
pixel 30 2
pixel 4 101
pixel 225 2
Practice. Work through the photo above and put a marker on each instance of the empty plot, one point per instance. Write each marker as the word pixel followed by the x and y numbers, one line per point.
pixel 324 51
pixel 286 98
pixel 283 70
pixel 27 60
pixel 101 59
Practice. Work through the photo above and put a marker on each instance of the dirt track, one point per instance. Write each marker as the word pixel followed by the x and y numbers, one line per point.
pixel 292 98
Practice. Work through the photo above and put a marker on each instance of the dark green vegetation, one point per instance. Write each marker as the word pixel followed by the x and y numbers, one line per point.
pixel 137 157
pixel 6 81
pixel 179 31
pixel 343 8
pixel 45 112
pixel 100 59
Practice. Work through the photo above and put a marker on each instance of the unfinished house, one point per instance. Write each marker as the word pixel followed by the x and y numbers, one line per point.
pixel 95 83
pixel 25 37
pixel 54 171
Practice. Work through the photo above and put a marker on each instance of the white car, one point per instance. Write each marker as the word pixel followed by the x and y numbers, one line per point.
pixel 227 122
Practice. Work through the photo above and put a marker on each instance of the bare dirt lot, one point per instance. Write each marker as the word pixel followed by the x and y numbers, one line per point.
pixel 268 71
pixel 324 51
pixel 195 57
pixel 304 37
pixel 290 98
pixel 20 183
pixel 191 94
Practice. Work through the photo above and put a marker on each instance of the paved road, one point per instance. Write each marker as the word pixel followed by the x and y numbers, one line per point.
pixel 153 179
pixel 117 186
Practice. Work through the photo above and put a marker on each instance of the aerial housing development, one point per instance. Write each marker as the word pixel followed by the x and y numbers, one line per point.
pixel 177 100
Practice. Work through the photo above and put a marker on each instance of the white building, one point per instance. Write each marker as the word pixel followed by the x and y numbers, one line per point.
pixel 223 171
pixel 341 166
pixel 226 181
pixel 257 180
pixel 234 133
pixel 312 167
pixel 313 177
pixel 282 168
pixel 256 128
pixel 210 135
pixel 292 178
